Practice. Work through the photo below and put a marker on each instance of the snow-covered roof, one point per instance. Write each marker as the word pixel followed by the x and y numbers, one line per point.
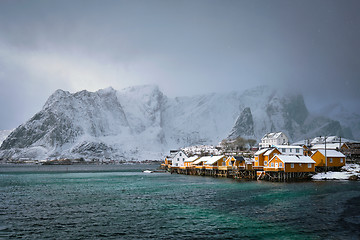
pixel 214 159
pixel 261 151
pixel 294 159
pixel 288 146
pixel 328 146
pixel 171 156
pixel 202 159
pixel 173 153
pixel 191 159
pixel 269 151
pixel 299 143
pixel 329 139
pixel 331 153
pixel 321 140
pixel 272 135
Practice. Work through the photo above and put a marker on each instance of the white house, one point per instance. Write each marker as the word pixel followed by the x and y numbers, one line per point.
pixel 271 139
pixel 290 150
pixel 178 159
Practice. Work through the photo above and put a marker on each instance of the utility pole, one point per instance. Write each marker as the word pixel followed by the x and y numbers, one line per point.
pixel 325 155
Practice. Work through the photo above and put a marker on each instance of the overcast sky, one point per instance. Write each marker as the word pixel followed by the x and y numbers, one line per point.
pixel 185 47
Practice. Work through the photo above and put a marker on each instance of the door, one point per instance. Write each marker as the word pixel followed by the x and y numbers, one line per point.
pixel 276 165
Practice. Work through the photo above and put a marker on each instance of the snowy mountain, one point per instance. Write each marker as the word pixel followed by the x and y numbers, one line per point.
pixel 140 123
pixel 348 119
pixel 4 134
pixel 281 111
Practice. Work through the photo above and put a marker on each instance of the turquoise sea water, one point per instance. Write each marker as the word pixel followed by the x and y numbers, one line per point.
pixel 121 202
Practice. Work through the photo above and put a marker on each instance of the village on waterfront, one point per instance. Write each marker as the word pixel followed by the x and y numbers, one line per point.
pixel 274 160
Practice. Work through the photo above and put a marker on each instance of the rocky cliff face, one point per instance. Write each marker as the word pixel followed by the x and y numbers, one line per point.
pixel 276 111
pixel 141 123
pixel 244 125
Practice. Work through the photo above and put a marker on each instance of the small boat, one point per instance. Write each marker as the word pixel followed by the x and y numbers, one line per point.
pixel 147 171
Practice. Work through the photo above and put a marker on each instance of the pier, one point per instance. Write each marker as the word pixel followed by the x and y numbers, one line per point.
pixel 241 173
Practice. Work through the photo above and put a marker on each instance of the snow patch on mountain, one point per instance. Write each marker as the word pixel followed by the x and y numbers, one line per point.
pixel 4 134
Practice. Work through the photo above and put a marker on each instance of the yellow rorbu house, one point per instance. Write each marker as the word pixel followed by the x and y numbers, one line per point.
pixel 215 162
pixel 263 156
pixel 199 163
pixel 269 154
pixel 235 162
pixel 286 163
pixel 188 162
pixel 259 159
pixel 334 158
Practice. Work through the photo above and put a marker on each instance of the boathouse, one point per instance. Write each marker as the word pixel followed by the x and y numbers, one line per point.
pixel 289 163
pixel 335 159
pixel 259 159
pixel 235 162
pixel 188 162
pixel 214 162
pixel 269 154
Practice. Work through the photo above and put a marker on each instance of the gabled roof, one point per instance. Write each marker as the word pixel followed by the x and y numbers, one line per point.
pixel 272 135
pixel 328 146
pixel 173 153
pixel 214 159
pixel 294 159
pixel 288 146
pixel 261 151
pixel 269 151
pixel 331 153
pixel 202 159
pixel 192 159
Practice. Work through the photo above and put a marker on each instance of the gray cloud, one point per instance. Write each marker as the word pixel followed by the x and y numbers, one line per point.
pixel 186 47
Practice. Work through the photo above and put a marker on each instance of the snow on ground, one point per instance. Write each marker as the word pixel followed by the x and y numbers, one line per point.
pixel 347 171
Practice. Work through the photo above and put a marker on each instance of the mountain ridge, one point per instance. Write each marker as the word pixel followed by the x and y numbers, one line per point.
pixel 140 122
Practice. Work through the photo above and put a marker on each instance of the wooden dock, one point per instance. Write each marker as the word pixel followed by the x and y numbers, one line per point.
pixel 241 173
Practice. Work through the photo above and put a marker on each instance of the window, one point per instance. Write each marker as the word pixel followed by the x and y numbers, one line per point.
pixel 272 164
pixel 176 164
pixel 180 154
pixel 331 160
pixel 183 159
pixel 297 150
pixel 283 150
pixel 299 164
pixel 223 163
pixel 280 165
pixel 292 165
pixel 290 149
pixel 265 162
pixel 341 160
pixel 309 165
pixel 178 159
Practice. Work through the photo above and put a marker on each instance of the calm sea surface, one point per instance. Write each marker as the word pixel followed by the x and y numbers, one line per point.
pixel 121 202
